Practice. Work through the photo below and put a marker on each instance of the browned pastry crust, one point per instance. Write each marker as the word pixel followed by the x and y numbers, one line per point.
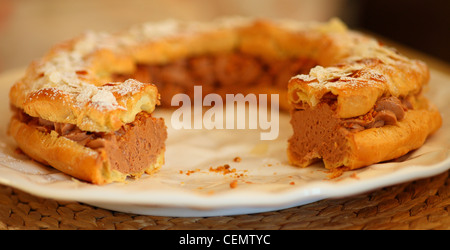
pixel 319 134
pixel 366 108
pixel 85 83
pixel 98 158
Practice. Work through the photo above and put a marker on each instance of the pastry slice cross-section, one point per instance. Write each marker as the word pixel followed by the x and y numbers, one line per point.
pixel 366 109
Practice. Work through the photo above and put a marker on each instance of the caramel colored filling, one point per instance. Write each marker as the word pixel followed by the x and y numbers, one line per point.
pixel 320 134
pixel 387 111
pixel 228 72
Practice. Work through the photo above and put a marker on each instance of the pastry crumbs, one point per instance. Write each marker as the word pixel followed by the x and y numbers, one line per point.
pixel 335 173
pixel 189 172
pixel 354 176
pixel 225 169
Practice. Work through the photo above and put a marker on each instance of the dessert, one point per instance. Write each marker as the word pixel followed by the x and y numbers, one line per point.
pixel 86 107
pixel 98 131
pixel 366 109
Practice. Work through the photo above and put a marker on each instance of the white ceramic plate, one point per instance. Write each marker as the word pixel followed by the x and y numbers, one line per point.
pixel 186 186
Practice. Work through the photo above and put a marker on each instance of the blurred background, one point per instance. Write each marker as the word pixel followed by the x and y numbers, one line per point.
pixel 28 28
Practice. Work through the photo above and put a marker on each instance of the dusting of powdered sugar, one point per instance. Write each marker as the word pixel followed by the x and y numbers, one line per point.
pixel 104 99
pixel 325 77
pixel 130 86
pixel 60 74
pixel 151 31
pixel 372 49
pixel 60 71
pixel 305 78
pixel 330 77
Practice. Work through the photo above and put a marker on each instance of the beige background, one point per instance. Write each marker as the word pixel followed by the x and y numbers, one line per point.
pixel 29 27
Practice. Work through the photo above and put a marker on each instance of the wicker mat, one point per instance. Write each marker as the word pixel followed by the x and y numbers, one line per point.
pixel 421 204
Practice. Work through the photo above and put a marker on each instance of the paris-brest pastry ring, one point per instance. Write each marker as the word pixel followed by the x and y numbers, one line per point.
pixel 85 108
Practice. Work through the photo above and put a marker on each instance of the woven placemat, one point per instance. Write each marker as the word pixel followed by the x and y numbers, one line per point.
pixel 420 204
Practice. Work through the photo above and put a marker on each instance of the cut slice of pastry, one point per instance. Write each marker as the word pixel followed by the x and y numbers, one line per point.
pixel 368 108
pixel 98 157
pixel 97 134
pixel 99 131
